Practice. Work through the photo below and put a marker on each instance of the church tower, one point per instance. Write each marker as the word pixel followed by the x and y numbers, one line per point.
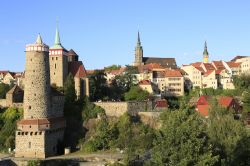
pixel 41 130
pixel 138 52
pixel 58 62
pixel 205 54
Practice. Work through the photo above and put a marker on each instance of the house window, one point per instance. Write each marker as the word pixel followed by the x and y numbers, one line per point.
pixel 56 58
pixel 55 66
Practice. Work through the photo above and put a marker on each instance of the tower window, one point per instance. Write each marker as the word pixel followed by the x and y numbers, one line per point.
pixel 56 58
pixel 31 60
pixel 54 73
pixel 55 66
pixel 29 107
pixel 29 144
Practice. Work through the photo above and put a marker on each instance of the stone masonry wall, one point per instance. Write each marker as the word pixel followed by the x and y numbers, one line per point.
pixel 29 144
pixel 37 85
pixel 119 108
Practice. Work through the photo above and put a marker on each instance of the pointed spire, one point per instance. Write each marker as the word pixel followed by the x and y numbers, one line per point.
pixel 138 39
pixel 205 52
pixel 39 39
pixel 57 37
pixel 57 44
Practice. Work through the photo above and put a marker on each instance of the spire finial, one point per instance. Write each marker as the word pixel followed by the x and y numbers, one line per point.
pixel 39 39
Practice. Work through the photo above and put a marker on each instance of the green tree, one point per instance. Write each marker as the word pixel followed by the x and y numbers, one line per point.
pixel 98 86
pixel 136 94
pixel 242 81
pixel 112 67
pixel 182 141
pixel 8 120
pixel 228 136
pixel 69 89
pixel 4 88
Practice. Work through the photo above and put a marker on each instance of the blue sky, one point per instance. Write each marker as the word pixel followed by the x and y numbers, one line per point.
pixel 103 32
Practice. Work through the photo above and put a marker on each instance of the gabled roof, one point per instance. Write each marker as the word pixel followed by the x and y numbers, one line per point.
pixel 15 89
pixel 172 73
pixel 233 64
pixel 200 69
pixel 208 73
pixel 145 82
pixel 225 101
pixel 72 53
pixel 77 69
pixel 164 62
pixel 218 65
pixel 196 64
pixel 237 57
pixel 203 109
pixel 208 66
pixel 4 72
pixel 161 103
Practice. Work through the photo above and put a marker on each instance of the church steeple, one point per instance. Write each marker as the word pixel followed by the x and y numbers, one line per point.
pixel 138 39
pixel 138 52
pixel 205 54
pixel 57 44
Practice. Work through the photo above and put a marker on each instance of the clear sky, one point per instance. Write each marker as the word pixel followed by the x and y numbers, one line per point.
pixel 104 32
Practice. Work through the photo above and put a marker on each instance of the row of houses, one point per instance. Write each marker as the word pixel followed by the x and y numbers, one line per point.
pixel 11 78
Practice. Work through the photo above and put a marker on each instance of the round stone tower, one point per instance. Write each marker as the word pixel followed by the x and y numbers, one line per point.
pixel 37 81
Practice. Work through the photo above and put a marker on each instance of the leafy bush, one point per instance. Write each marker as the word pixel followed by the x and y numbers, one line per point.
pixel 136 94
pixel 8 120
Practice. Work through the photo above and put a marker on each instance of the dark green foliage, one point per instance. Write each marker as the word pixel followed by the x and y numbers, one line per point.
pixel 98 86
pixel 90 110
pixel 182 141
pixel 69 89
pixel 228 136
pixel 173 102
pixel 8 120
pixel 242 82
pixel 75 114
pixel 136 94
pixel 122 133
pixel 4 88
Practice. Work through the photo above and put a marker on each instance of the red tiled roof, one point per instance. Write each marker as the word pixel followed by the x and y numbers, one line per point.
pixel 237 57
pixel 161 104
pixel 40 121
pixel 117 71
pixel 218 65
pixel 200 69
pixel 208 73
pixel 218 71
pixel 145 82
pixel 196 64
pixel 233 64
pixel 172 73
pixel 225 101
pixel 203 100
pixel 203 109
pixel 77 69
pixel 208 66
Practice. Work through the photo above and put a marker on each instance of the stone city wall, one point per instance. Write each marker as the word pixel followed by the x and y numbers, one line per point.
pixel 150 118
pixel 119 108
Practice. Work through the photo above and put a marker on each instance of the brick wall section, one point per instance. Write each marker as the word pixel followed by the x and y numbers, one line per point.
pixel 119 108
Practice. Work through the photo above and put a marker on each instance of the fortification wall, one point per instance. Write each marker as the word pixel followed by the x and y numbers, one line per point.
pixel 119 108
